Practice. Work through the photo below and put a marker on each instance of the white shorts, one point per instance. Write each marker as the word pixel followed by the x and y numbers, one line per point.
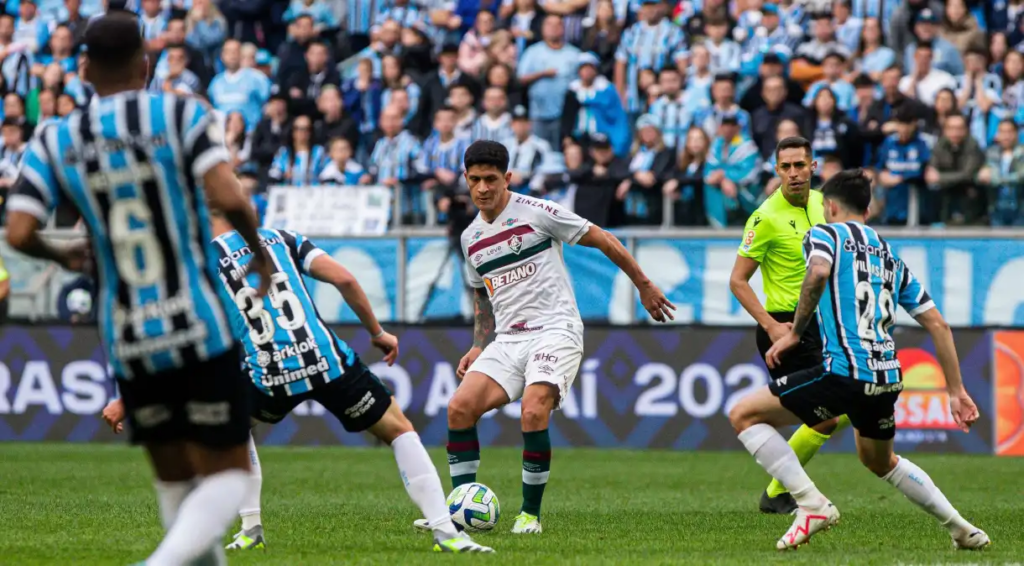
pixel 551 358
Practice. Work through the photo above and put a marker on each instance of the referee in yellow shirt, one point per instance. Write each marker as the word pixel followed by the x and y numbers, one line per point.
pixel 773 241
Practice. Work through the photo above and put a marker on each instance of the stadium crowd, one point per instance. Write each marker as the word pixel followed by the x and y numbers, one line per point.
pixel 606 105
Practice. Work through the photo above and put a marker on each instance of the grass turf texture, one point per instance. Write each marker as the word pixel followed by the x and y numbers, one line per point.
pixel 94 504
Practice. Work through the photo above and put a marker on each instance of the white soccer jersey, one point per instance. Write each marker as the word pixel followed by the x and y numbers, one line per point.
pixel 518 259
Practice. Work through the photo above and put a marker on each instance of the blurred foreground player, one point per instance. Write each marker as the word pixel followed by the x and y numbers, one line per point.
pixel 140 167
pixel 855 281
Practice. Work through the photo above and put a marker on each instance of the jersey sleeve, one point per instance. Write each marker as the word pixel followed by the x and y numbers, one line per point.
pixel 473 278
pixel 560 223
pixel 36 191
pixel 303 250
pixel 757 237
pixel 820 241
pixel 913 297
pixel 202 136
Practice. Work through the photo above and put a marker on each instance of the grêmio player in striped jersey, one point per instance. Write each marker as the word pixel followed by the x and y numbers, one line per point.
pixel 528 337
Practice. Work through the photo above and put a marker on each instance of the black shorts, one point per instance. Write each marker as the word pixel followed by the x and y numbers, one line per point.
pixel 806 354
pixel 206 403
pixel 815 396
pixel 358 399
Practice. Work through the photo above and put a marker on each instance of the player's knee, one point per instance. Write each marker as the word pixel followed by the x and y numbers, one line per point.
pixel 538 402
pixel 463 411
pixel 827 427
pixel 880 465
pixel 741 417
pixel 393 424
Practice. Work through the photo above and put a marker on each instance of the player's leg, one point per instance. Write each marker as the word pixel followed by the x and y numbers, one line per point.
pixel 755 418
pixel 551 364
pixel 216 413
pixel 492 381
pixel 875 449
pixel 251 534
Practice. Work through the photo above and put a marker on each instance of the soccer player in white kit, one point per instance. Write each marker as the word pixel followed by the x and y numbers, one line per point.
pixel 528 336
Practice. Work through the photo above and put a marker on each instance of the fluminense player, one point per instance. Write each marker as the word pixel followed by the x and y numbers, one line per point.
pixel 292 356
pixel 140 167
pixel 855 282
pixel 528 337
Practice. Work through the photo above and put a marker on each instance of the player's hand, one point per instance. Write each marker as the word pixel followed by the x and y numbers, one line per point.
pixel 260 265
pixel 77 256
pixel 778 330
pixel 467 361
pixel 779 347
pixel 963 409
pixel 113 415
pixel 388 344
pixel 655 302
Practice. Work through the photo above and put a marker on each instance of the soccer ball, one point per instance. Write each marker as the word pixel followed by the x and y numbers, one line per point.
pixel 474 507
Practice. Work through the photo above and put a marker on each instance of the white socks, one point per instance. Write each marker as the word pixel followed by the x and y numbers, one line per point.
pixel 202 518
pixel 423 483
pixel 919 488
pixel 250 511
pixel 169 496
pixel 774 454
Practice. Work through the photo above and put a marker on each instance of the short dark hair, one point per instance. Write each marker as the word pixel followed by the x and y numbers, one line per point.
pixel 924 45
pixel 484 152
pixel 975 49
pixel 444 108
pixel 793 142
pixel 863 81
pixel 113 41
pixel 1011 122
pixel 851 188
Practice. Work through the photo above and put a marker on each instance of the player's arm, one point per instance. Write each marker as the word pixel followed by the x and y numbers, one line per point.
pixel 818 271
pixel 756 242
pixel 483 319
pixel 651 297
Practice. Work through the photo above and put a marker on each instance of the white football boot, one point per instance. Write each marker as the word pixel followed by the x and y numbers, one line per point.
pixel 970 538
pixel 807 522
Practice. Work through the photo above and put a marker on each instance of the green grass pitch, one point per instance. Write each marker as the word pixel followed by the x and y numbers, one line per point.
pixel 94 504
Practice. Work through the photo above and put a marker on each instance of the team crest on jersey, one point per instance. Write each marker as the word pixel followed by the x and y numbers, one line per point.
pixel 515 243
pixel 263 359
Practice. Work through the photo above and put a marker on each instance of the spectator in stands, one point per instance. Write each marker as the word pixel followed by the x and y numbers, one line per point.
pixel 723 92
pixel 236 139
pixel 303 85
pixel 402 12
pixel 806 66
pixel 765 120
pixel 319 12
pixel 694 25
pixel 598 180
pixel 685 186
pixel 495 124
pixel 650 44
pixel 291 56
pixel 945 106
pixel 979 95
pixel 30 31
pixel 872 57
pixel 767 37
pixel 698 79
pixel 724 52
pixel 461 99
pixel 71 17
pixel 333 122
pixel 848 27
pixel 669 110
pixel 392 164
pixel 602 38
pixel 651 165
pixel 10 154
pixel 833 133
pixel 771 66
pixel 175 36
pixel 152 20
pixel 902 25
pixel 300 162
pixel 880 123
pixel 362 98
pixel 952 173
pixel 61 52
pixel 900 165
pixel 731 174
pixel 343 169
pixel 394 78
pixel 17 63
pixel 76 302
pixel 527 152
pixel 1013 85
pixel 592 105
pixel 65 104
pixel 268 136
pixel 237 89
pixel 206 30
pixel 832 78
pixel 925 81
pixel 440 161
pixel 435 89
pixel 960 27
pixel 945 57
pixel 473 49
pixel 178 78
pixel 46 106
pixel 546 69
pixel 502 50
pixel 501 76
pixel 1004 175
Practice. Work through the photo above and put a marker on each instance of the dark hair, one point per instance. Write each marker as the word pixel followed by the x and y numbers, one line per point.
pixel 851 188
pixel 893 67
pixel 113 41
pixel 863 81
pixel 1011 122
pixel 444 108
pixel 924 45
pixel 315 43
pixel 484 152
pixel 793 143
pixel 975 49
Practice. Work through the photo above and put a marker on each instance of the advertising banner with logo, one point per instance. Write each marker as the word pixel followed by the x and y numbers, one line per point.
pixel 1008 358
pixel 331 211
pixel 974 282
pixel 637 388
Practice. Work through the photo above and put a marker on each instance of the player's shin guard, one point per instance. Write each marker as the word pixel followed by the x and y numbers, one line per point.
pixel 772 452
pixel 463 455
pixel 202 519
pixel 536 469
pixel 250 510
pixel 914 483
pixel 806 442
pixel 423 484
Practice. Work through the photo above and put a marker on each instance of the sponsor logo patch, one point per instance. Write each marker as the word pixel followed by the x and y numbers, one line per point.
pixel 510 222
pixel 523 328
pixel 510 277
pixel 872 389
pixel 542 357
pixel 749 239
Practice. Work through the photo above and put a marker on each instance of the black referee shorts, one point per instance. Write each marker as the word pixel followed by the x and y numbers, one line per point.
pixel 806 355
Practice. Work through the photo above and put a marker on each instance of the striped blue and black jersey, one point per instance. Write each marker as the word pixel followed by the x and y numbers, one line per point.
pixel 858 308
pixel 132 164
pixel 289 349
